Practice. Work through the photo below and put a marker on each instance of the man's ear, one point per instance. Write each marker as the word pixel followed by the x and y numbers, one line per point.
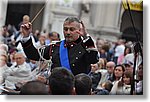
pixel 80 29
pixel 73 91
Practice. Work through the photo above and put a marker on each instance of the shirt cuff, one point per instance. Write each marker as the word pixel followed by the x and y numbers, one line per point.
pixel 25 39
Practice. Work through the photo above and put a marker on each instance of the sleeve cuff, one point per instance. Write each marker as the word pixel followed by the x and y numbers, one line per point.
pixel 25 39
pixel 88 42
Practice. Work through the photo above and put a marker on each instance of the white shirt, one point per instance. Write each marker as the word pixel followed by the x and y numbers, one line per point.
pixel 17 74
pixel 23 70
pixel 119 50
pixel 2 70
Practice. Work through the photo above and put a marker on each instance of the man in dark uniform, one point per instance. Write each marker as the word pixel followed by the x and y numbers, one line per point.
pixel 77 52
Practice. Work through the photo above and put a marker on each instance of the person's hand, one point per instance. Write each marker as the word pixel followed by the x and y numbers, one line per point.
pixel 82 32
pixel 26 29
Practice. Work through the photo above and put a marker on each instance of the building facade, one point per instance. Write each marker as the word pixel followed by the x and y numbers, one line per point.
pixel 3 11
pixel 101 17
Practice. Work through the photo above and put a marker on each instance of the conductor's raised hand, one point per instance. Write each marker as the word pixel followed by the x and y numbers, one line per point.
pixel 26 29
pixel 82 32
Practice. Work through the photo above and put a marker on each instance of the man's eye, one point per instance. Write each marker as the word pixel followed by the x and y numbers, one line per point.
pixel 72 29
pixel 65 29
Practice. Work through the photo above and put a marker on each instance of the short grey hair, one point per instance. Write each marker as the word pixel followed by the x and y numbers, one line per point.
pixel 72 19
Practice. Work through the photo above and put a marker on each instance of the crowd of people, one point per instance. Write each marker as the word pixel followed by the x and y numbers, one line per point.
pixel 40 63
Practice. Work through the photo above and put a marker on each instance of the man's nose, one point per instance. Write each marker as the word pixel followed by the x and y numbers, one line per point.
pixel 68 31
pixel 68 34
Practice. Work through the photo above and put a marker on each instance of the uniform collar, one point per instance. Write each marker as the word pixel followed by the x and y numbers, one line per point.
pixel 72 44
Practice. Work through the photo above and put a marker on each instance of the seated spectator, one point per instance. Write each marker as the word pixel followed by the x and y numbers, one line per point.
pixel 139 82
pixel 83 84
pixel 34 88
pixel 117 73
pixel 130 58
pixel 104 89
pixel 128 67
pixel 95 75
pixel 4 47
pixel 107 73
pixel 123 86
pixel 20 72
pixel 61 82
pixel 11 57
pixel 3 65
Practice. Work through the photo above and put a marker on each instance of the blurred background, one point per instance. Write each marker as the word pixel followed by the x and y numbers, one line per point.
pixel 102 18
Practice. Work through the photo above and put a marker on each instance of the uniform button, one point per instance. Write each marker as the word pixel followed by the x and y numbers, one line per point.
pixel 76 57
pixel 79 52
pixel 71 45
pixel 73 65
pixel 52 50
pixel 53 45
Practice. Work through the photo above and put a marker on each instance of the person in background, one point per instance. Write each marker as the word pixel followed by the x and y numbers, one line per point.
pixel 107 74
pixel 4 47
pixel 95 74
pixel 5 36
pixel 61 82
pixel 120 60
pixel 53 38
pixel 41 42
pixel 117 73
pixel 123 86
pixel 3 65
pixel 104 89
pixel 19 73
pixel 25 19
pixel 139 82
pixel 34 88
pixel 119 50
pixel 36 35
pixel 83 84
pixel 17 36
pixel 128 67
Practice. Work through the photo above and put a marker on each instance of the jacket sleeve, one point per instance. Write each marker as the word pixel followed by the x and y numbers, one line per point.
pixel 33 53
pixel 92 53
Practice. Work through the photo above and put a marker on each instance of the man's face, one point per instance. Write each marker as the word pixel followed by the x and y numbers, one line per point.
pixel 42 39
pixel 19 58
pixel 54 37
pixel 70 31
pixel 110 67
pixel 100 43
pixel 2 60
pixel 129 68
